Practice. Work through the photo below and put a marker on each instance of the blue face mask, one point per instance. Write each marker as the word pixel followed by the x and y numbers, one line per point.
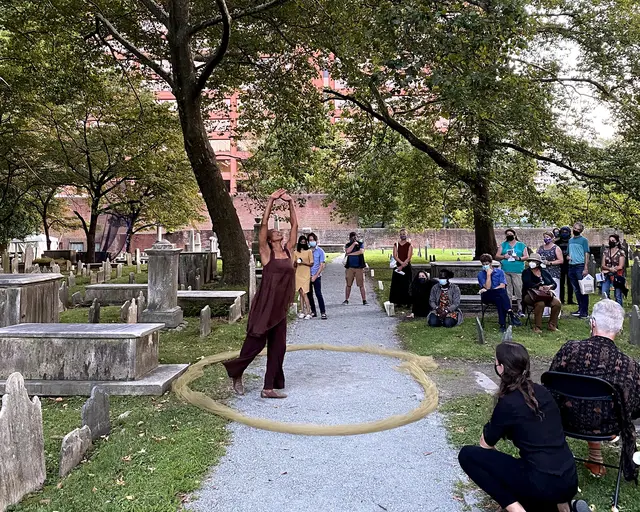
pixel 486 267
pixel 443 282
pixel 313 244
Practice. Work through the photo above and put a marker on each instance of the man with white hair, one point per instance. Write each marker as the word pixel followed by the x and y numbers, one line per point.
pixel 598 356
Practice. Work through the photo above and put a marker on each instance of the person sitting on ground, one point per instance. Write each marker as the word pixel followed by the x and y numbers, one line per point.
pixel 493 290
pixel 303 261
pixel 613 260
pixel 544 478
pixel 598 356
pixel 511 254
pixel 420 292
pixel 537 284
pixel 444 300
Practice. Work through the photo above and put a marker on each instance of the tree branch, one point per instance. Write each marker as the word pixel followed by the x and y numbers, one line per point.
pixel 235 16
pixel 135 51
pixel 157 10
pixel 84 223
pixel 217 57
pixel 599 86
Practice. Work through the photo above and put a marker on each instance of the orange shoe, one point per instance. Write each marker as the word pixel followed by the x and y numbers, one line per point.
pixel 596 469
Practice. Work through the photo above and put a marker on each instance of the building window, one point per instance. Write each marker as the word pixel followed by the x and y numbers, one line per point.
pixel 227 184
pixel 76 246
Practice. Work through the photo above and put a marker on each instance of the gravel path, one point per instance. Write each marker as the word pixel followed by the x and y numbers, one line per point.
pixel 406 469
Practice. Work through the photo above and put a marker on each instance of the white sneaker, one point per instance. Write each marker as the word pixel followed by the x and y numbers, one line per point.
pixel 308 317
pixel 300 316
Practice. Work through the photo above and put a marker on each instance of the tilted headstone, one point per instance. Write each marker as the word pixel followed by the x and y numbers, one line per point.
pixel 635 282
pixel 6 263
pixel 634 326
pixel 132 313
pixel 63 295
pixel 235 311
pixel 72 280
pixel 94 312
pixel 507 336
pixel 205 322
pixel 124 311
pixel 129 259
pixel 93 277
pixel 74 447
pixel 132 278
pixel 22 462
pixel 119 270
pixel 28 258
pixel 95 413
pixel 390 308
pixel 480 339
pixel 15 264
pixel 77 299
pixel 142 305
pixel 100 276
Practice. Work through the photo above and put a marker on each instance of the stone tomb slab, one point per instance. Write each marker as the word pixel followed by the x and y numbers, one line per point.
pixel 26 298
pixel 85 352
pixel 113 294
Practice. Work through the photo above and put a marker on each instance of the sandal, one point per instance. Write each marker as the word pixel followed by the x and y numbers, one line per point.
pixel 595 469
pixel 271 393
pixel 237 385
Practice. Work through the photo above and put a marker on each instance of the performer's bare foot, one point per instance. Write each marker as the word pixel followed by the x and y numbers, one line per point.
pixel 237 385
pixel 272 393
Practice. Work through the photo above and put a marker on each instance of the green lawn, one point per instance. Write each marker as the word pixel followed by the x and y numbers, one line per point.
pixel 465 417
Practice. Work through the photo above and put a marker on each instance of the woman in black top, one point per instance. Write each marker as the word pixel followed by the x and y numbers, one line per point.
pixel 420 291
pixel 544 478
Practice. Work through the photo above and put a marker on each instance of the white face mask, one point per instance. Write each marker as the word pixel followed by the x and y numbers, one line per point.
pixel 533 264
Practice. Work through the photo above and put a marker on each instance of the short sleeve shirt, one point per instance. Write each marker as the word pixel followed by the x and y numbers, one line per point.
pixel 319 257
pixel 577 249
pixel 355 261
pixel 497 278
pixel 516 266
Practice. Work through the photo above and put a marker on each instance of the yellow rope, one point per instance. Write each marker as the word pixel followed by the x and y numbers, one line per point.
pixel 413 364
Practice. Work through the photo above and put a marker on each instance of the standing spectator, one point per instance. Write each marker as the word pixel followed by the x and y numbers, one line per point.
pixel 579 267
pixel 319 262
pixel 613 261
pixel 445 302
pixel 551 255
pixel 562 241
pixel 511 255
pixel 303 261
pixel 493 290
pixel 401 276
pixel 354 250
pixel 536 279
pixel 420 292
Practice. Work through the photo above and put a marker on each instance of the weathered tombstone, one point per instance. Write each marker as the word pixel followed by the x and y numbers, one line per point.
pixel 634 326
pixel 124 312
pixel 182 287
pixel 508 334
pixel 390 308
pixel 63 295
pixel 480 331
pixel 119 268
pixel 373 273
pixel 95 413
pixel 253 283
pixel 74 446
pixel 293 309
pixel 6 262
pixel 129 260
pixel 35 269
pixel 132 313
pixel 76 299
pixel 138 256
pixel 94 312
pixel 22 462
pixel 635 282
pixel 197 281
pixel 107 270
pixel 68 265
pixel 132 278
pixel 138 267
pixel 197 246
pixel 380 285
pixel 100 276
pixel 15 264
pixel 235 311
pixel 72 280
pixel 93 277
pixel 189 288
pixel 191 244
pixel 205 322
pixel 592 265
pixel 28 258
pixel 141 302
pixel 80 269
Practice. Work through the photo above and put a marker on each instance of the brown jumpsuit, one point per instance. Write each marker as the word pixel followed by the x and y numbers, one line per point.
pixel 267 323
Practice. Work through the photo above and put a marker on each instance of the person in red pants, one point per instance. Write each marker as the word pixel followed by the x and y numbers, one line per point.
pixel 267 324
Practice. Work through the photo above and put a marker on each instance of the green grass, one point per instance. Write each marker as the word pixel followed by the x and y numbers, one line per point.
pixel 465 417
pixel 155 456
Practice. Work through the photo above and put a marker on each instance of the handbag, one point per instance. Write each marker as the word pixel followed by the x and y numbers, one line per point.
pixel 393 263
pixel 540 295
pixel 587 285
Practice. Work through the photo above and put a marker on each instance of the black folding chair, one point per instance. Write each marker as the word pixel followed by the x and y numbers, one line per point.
pixel 597 393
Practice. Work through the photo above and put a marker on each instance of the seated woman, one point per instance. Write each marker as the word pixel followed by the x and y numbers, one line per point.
pixel 544 478
pixel 445 302
pixel 493 290
pixel 599 356
pixel 537 284
pixel 420 293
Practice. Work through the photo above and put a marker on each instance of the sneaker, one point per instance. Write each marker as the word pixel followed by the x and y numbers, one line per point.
pixel 308 317
pixel 314 314
pixel 521 314
pixel 583 316
pixel 576 313
pixel 323 316
pixel 300 316
pixel 580 506
pixel 365 303
pixel 345 302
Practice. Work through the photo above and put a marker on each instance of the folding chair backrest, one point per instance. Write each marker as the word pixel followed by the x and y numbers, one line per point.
pixel 589 405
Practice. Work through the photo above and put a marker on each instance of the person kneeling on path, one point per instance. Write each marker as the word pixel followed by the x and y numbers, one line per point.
pixel 267 323
pixel 537 284
pixel 544 478
pixel 445 302
pixel 493 290
pixel 599 356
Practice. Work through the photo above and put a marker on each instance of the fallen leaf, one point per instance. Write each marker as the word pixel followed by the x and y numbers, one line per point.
pixel 126 458
pixel 95 489
pixel 59 486
pixel 59 399
pixel 129 497
pixel 427 453
pixel 119 481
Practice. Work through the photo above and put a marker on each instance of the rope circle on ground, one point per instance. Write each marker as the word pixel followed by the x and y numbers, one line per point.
pixel 413 364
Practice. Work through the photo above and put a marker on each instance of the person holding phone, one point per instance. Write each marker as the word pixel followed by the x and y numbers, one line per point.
pixel 512 254
pixel 303 261
pixel 355 264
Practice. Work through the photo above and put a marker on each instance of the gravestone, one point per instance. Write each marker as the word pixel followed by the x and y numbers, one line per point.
pixel 93 277
pixel 182 288
pixel 141 302
pixel 138 256
pixel 6 262
pixel 107 270
pixel 634 326
pixel 390 308
pixel 480 330
pixel 132 278
pixel 235 310
pixel 635 282
pixel 74 446
pixel 508 334
pixel 72 280
pixel 293 309
pixel 197 246
pixel 592 265
pixel 129 260
pixel 253 283
pixel 22 461
pixel 63 295
pixel 68 265
pixel 76 299
pixel 95 413
pixel 15 264
pixel 119 270
pixel 100 276
pixel 94 312
pixel 197 281
pixel 35 269
pixel 28 258
pixel 205 322
pixel 55 268
pixel 380 285
pixel 373 273
pixel 191 244
pixel 80 271
pixel 132 313
pixel 124 311
pixel 138 267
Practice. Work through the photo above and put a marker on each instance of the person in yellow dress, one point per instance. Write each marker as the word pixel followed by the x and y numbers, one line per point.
pixel 303 261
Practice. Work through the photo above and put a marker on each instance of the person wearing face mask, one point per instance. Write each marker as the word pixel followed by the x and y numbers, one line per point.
pixel 303 261
pixel 511 254
pixel 613 260
pixel 355 264
pixel 598 356
pixel 401 276
pixel 552 257
pixel 420 292
pixel 578 256
pixel 319 259
pixel 537 286
pixel 493 290
pixel 562 241
pixel 444 301
pixel 544 478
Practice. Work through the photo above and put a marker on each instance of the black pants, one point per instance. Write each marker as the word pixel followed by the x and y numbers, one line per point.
pixel 500 298
pixel 564 278
pixel 317 286
pixel 437 321
pixel 508 480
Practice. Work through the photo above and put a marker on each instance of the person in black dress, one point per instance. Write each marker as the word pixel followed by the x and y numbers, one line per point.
pixel 420 291
pixel 402 273
pixel 544 478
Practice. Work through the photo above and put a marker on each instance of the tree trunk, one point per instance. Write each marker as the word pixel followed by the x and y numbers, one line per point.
pixel 47 236
pixel 91 237
pixel 485 238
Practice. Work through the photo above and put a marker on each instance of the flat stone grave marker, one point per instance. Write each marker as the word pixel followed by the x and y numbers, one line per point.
pixel 132 312
pixel 94 312
pixel 634 326
pixel 95 413
pixel 141 302
pixel 205 322
pixel 480 330
pixel 74 446
pixel 132 278
pixel 77 299
pixel 124 311
pixel 22 462
pixel 72 280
